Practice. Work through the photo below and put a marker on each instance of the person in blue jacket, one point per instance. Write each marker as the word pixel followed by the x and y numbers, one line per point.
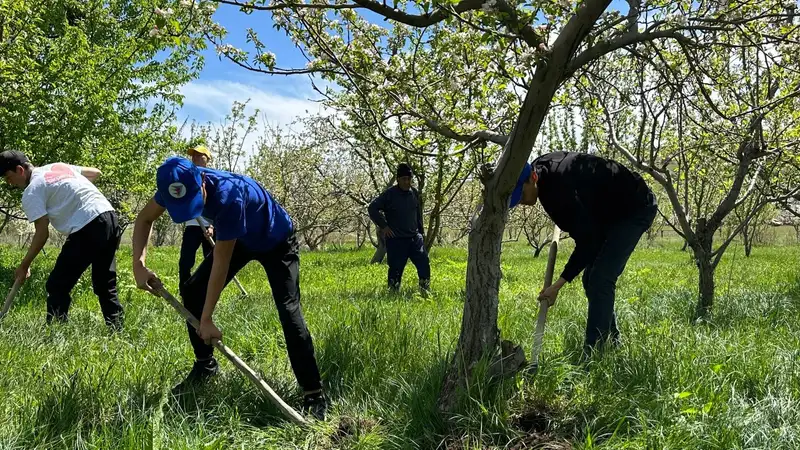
pixel 250 226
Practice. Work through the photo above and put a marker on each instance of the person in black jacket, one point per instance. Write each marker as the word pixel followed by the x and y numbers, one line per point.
pixel 398 214
pixel 605 208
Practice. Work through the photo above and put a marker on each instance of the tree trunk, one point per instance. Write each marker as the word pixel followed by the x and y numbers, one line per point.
pixel 537 251
pixel 747 236
pixel 706 287
pixel 705 266
pixel 480 336
pixel 380 250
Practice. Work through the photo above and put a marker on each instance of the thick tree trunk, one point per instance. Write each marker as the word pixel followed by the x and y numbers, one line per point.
pixel 705 266
pixel 538 251
pixel 480 336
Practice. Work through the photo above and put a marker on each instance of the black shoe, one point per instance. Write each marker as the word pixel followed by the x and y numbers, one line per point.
pixel 425 286
pixel 394 286
pixel 115 324
pixel 315 404
pixel 199 375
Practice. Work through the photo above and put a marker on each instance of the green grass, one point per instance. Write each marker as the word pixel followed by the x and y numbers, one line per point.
pixel 732 383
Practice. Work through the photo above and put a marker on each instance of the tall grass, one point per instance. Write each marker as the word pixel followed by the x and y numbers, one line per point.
pixel 731 383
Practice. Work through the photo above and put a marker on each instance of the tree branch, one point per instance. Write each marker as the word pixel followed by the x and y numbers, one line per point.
pixel 279 6
pixel 417 20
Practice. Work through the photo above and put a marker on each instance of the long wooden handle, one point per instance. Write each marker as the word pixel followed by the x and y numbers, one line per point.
pixel 538 335
pixel 10 298
pixel 213 244
pixel 259 382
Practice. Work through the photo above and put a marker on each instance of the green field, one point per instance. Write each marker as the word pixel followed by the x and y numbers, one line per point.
pixel 732 383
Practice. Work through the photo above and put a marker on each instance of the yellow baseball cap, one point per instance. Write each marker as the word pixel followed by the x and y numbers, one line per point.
pixel 201 149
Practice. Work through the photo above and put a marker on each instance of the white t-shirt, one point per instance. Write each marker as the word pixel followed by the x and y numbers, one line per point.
pixel 193 222
pixel 66 197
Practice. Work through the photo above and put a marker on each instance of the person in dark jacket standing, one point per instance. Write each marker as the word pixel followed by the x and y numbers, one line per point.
pixel 397 212
pixel 605 208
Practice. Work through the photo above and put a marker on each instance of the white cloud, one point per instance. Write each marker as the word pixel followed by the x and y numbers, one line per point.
pixel 213 100
pixel 210 101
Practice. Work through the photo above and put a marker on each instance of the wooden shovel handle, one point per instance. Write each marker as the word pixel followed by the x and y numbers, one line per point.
pixel 259 382
pixel 538 335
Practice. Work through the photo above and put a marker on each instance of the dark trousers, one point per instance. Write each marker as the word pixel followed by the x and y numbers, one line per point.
pixel 192 240
pixel 600 276
pixel 282 265
pixel 399 251
pixel 96 245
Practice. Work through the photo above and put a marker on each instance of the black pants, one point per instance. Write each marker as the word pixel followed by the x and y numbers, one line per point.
pixel 399 251
pixel 600 276
pixel 192 240
pixel 282 265
pixel 95 244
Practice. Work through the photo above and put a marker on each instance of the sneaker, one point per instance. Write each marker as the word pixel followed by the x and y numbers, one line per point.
pixel 200 373
pixel 315 404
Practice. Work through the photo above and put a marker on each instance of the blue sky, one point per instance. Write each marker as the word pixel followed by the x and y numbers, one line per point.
pixel 281 99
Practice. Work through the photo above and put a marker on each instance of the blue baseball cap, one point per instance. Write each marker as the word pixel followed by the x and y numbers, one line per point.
pixel 516 196
pixel 178 182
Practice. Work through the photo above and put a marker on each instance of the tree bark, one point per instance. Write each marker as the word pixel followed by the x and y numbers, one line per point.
pixel 706 286
pixel 380 250
pixel 706 267
pixel 537 251
pixel 480 336
pixel 747 237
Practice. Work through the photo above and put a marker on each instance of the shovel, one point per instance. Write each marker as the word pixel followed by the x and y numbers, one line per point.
pixel 259 382
pixel 538 334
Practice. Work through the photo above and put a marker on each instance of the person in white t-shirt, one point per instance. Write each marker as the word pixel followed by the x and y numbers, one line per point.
pixel 193 236
pixel 63 195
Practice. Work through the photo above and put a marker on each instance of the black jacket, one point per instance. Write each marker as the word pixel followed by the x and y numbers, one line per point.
pixel 586 195
pixel 399 210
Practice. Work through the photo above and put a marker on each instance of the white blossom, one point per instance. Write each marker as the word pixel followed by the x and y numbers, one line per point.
pixel 154 31
pixel 187 3
pixel 790 4
pixel 225 49
pixel 489 6
pixel 164 12
pixel 455 84
pixel 677 19
pixel 210 7
pixel 527 56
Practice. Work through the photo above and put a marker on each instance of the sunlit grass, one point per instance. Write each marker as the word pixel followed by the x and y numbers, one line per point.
pixel 734 382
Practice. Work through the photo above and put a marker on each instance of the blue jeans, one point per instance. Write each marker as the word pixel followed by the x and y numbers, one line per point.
pixel 600 276
pixel 399 251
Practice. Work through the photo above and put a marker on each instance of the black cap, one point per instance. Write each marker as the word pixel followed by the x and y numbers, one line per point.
pixel 404 170
pixel 10 159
